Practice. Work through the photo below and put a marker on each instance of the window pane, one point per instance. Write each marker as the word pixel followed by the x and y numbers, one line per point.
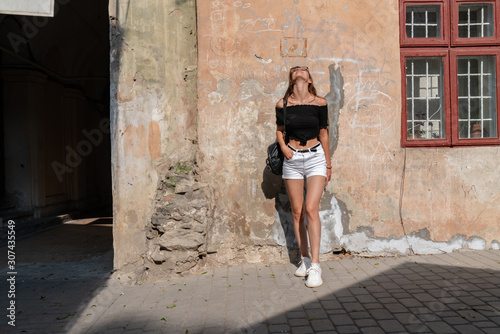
pixel 462 31
pixel 425 98
pixel 489 126
pixel 463 15
pixel 408 31
pixel 489 110
pixel 463 108
pixel 419 32
pixel 409 110
pixel 473 65
pixel 432 15
pixel 418 16
pixel 474 85
pixel 474 31
pixel 434 110
pixel 420 108
pixel 418 67
pixel 464 129
pixel 488 88
pixel 423 21
pixel 475 109
pixel 463 86
pixel 432 31
pixel 477 96
pixel 475 20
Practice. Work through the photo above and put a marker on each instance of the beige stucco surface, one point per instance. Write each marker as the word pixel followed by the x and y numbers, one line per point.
pixel 382 199
pixel 379 190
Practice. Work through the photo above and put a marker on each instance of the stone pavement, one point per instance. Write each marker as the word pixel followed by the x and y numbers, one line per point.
pixel 447 293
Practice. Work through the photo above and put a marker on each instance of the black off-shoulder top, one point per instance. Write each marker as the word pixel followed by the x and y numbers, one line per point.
pixel 303 121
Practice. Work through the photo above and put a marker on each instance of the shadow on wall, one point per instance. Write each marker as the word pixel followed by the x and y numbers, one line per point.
pixel 273 187
pixel 271 184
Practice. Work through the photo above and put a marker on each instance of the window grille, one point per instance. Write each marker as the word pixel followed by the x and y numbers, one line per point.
pixel 476 96
pixel 423 21
pixel 475 20
pixel 425 98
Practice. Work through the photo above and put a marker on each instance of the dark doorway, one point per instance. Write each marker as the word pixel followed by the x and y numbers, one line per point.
pixel 55 145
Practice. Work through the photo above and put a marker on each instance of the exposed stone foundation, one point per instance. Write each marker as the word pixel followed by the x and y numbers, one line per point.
pixel 177 235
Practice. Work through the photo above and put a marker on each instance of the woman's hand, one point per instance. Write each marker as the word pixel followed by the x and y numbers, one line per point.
pixel 328 176
pixel 287 152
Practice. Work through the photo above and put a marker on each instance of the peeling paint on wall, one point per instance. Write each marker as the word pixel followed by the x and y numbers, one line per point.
pixel 154 142
pixel 363 241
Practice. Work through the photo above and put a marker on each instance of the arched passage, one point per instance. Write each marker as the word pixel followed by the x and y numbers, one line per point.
pixel 54 104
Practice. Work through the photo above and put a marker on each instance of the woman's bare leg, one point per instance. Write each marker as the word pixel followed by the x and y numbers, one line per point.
pixel 302 233
pixel 295 189
pixel 314 190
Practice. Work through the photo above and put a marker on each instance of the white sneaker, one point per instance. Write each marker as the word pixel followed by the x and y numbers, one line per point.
pixel 314 276
pixel 305 264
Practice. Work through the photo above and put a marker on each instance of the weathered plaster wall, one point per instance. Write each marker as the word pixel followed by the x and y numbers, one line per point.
pixel 153 108
pixel 442 199
pixel 216 114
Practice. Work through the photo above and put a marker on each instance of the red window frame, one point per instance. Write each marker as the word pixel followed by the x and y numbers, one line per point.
pixel 421 52
pixel 449 48
pixel 475 41
pixel 445 23
pixel 454 54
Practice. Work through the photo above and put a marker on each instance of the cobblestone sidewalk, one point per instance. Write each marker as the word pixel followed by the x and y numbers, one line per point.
pixel 447 293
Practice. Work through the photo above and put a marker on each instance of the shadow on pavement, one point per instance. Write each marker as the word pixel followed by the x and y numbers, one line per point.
pixel 358 296
pixel 56 271
pixel 413 298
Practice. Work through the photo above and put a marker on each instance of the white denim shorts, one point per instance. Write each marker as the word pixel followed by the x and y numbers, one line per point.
pixel 305 164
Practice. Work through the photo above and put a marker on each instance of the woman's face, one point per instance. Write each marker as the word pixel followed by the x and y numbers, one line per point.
pixel 299 72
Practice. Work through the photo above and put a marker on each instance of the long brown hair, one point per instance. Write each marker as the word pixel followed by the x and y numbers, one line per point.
pixel 289 90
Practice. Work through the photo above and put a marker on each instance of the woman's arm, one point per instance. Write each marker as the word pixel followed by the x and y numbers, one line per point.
pixel 280 136
pixel 325 143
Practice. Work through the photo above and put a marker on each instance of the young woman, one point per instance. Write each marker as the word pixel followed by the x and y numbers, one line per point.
pixel 307 161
